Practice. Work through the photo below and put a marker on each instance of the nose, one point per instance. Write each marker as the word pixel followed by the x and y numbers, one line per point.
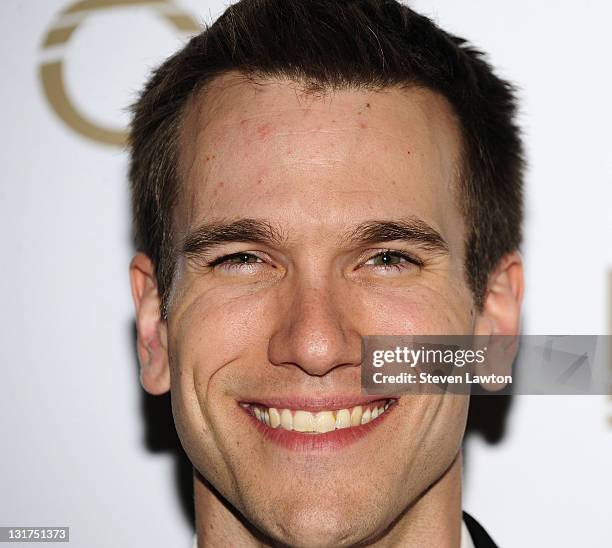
pixel 315 333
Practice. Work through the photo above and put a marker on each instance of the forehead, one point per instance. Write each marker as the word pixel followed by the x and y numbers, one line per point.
pixel 268 149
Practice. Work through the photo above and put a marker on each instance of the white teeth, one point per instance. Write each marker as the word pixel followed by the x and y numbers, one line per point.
pixel 356 416
pixel 275 418
pixel 303 421
pixel 343 419
pixel 324 421
pixel 321 422
pixel 366 417
pixel 286 419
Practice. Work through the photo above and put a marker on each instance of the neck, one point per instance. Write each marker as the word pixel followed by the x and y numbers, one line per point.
pixel 432 521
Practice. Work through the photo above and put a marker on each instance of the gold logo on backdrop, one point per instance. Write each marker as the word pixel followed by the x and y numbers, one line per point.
pixel 52 72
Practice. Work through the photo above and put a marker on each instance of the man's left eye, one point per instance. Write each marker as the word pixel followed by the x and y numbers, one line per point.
pixel 391 259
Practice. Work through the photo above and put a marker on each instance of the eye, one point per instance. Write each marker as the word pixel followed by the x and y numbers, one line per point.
pixel 236 261
pixel 390 259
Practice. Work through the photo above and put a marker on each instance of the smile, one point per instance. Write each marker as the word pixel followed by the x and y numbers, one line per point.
pixel 321 422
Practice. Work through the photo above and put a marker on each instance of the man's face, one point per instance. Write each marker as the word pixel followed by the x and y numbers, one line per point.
pixel 346 225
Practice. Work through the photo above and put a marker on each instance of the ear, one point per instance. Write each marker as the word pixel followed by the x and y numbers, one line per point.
pixel 152 341
pixel 501 313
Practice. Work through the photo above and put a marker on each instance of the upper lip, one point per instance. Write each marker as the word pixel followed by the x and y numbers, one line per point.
pixel 314 403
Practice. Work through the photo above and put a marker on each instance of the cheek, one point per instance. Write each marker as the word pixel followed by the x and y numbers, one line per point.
pixel 415 310
pixel 206 338
pixel 215 329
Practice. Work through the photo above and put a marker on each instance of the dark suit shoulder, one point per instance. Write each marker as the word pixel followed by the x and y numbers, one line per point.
pixel 479 536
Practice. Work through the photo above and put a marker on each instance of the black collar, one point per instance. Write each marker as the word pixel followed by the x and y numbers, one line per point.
pixel 480 537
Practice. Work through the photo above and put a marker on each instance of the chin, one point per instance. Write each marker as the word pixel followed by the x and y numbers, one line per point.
pixel 322 523
pixel 318 529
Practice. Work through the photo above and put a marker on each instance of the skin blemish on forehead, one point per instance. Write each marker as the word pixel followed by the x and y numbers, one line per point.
pixel 368 105
pixel 362 125
pixel 264 130
pixel 217 188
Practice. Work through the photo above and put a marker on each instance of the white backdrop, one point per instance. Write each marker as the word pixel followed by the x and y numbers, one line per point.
pixel 75 450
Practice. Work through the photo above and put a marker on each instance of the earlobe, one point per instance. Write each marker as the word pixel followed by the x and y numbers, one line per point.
pixel 151 330
pixel 501 313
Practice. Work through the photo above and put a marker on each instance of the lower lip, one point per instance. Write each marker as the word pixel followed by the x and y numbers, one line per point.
pixel 328 441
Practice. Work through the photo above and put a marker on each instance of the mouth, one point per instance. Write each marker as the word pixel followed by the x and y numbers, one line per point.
pixel 317 427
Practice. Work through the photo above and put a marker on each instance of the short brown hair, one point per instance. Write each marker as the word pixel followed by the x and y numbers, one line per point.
pixel 336 44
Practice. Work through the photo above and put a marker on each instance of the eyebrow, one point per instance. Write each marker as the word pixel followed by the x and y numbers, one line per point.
pixel 412 230
pixel 209 235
